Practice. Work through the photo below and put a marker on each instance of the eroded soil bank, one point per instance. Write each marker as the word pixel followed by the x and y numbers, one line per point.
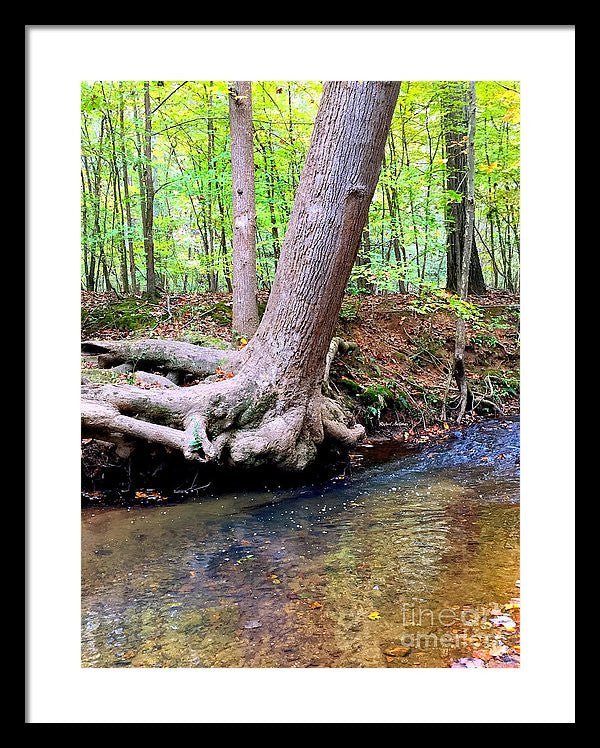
pixel 395 379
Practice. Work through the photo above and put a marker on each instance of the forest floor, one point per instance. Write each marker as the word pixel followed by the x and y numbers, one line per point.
pixel 396 380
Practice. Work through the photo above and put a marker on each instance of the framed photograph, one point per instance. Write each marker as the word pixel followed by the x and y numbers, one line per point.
pixel 286 317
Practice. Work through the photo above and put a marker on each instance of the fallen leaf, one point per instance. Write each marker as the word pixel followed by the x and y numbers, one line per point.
pixel 468 662
pixel 397 651
pixel 374 616
pixel 504 621
pixel 498 649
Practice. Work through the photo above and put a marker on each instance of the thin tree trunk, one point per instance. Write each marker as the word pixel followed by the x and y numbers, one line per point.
pixel 402 279
pixel 455 135
pixel 227 271
pixel 268 160
pixel 397 236
pixel 117 200
pixel 96 239
pixel 245 308
pixel 213 270
pixel 103 264
pixel 84 230
pixel 128 226
pixel 149 196
pixel 89 283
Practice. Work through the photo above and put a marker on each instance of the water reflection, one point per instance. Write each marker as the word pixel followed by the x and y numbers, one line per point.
pixel 289 579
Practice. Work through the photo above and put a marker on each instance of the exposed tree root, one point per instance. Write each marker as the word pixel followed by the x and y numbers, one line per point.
pixel 249 420
pixel 336 346
pixel 271 411
pixel 107 422
pixel 166 355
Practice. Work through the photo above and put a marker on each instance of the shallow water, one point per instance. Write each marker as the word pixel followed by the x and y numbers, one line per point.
pixel 423 544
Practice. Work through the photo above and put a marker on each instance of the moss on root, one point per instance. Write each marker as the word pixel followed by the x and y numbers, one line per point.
pixel 197 338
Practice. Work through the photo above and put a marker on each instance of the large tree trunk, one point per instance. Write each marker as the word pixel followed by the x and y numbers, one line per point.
pixel 455 134
pixel 245 308
pixel 269 408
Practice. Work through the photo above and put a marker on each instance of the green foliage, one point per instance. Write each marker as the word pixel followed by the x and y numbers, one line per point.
pixel 499 323
pixel 349 312
pixel 481 339
pixel 404 247
pixel 373 400
pixel 352 387
pixel 378 398
pixel 432 299
pixel 504 384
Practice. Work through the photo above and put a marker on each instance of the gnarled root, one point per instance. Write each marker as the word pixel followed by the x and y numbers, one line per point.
pixel 250 424
pixel 251 419
pixel 246 421
pixel 336 425
pixel 166 355
pixel 107 422
pixel 337 345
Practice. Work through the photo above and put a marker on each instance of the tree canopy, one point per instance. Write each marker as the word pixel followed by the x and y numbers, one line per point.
pixel 403 245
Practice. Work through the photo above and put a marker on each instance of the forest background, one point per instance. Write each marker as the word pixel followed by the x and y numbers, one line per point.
pixel 165 145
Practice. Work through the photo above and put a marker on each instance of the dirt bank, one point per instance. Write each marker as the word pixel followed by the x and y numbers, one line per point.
pixel 395 379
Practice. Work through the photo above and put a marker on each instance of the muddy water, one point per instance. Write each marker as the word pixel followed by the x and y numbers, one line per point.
pixel 410 552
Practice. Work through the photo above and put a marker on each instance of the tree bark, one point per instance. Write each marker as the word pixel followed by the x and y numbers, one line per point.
pixel 117 200
pixel 245 308
pixel 149 196
pixel 455 136
pixel 269 408
pixel 128 227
